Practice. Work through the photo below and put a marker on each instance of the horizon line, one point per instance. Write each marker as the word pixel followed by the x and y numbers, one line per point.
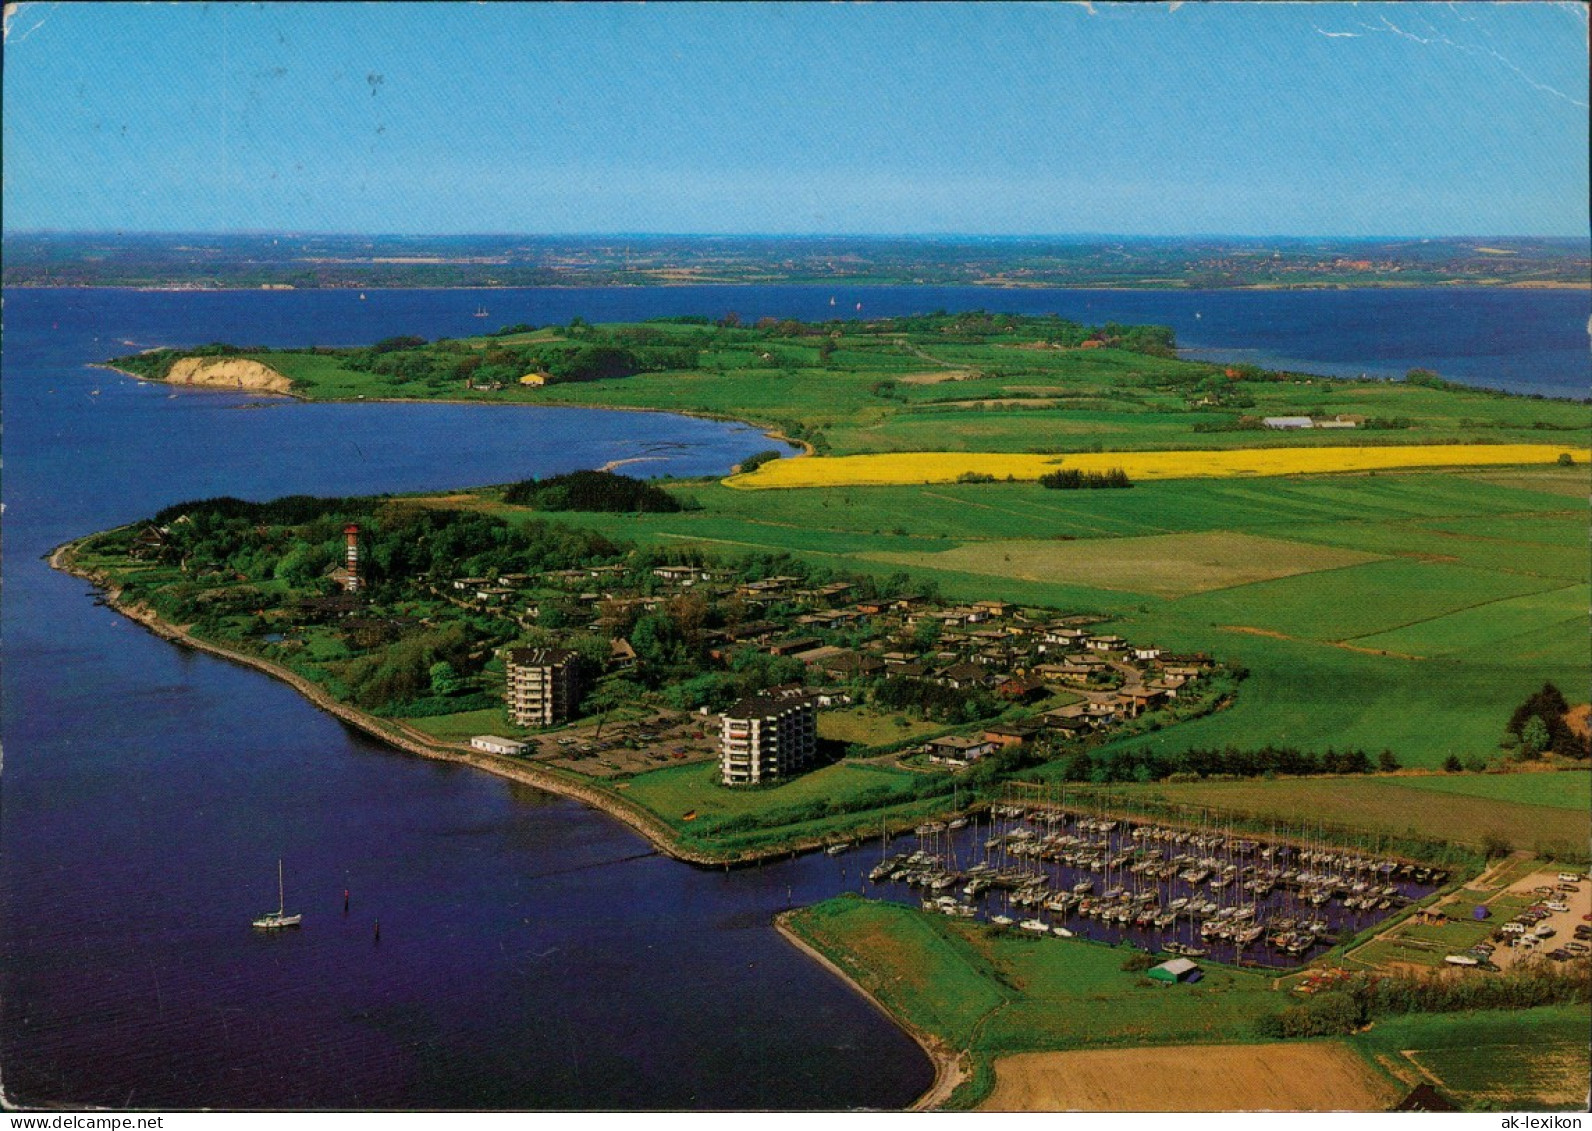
pixel 923 236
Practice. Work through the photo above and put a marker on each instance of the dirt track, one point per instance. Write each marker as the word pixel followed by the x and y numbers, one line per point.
pixel 1318 1076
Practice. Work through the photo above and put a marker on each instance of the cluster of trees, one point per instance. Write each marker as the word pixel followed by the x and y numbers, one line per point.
pixel 1369 996
pixel 758 459
pixel 591 491
pixel 977 326
pixel 298 538
pixel 935 701
pixel 1538 725
pixel 1071 479
pixel 597 355
pixel 1140 764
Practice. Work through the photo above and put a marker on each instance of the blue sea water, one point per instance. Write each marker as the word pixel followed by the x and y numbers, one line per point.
pixel 533 953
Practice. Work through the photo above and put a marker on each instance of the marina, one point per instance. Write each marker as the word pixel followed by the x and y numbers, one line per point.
pixel 1050 869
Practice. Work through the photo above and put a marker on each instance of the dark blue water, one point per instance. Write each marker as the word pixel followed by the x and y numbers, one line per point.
pixel 533 954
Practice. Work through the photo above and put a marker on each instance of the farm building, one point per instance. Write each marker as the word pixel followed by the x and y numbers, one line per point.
pixel 1177 970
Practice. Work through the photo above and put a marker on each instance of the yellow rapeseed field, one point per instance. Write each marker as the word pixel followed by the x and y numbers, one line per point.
pixel 946 467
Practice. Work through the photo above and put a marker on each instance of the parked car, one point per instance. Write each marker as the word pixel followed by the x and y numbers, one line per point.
pixel 1559 906
pixel 1569 878
pixel 1545 932
pixel 1578 948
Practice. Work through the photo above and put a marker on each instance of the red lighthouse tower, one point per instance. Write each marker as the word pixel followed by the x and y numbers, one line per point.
pixel 352 582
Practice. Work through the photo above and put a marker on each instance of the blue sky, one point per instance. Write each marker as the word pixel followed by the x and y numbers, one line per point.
pixel 998 119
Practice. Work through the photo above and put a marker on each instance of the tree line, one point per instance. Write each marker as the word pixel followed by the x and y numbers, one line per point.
pixel 1365 997
pixel 591 491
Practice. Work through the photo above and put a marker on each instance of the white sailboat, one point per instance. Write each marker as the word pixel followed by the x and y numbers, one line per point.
pixel 275 920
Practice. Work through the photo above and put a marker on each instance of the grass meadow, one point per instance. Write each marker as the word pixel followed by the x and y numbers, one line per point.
pixel 996 992
pixel 1399 806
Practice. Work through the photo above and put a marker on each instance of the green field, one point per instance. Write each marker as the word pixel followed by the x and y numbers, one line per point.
pixel 867 727
pixel 1166 565
pixel 1571 790
pixel 1490 1060
pixel 1469 813
pixel 995 993
pixel 674 792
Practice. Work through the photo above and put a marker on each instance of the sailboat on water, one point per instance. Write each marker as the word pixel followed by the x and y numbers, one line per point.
pixel 275 920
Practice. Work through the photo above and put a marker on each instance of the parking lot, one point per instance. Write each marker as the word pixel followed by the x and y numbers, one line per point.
pixel 631 746
pixel 1543 928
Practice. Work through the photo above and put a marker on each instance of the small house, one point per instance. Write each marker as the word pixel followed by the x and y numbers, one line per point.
pixel 958 750
pixel 1175 971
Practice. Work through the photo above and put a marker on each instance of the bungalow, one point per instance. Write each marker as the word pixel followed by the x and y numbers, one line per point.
pixel 681 574
pixel 958 750
pixel 1010 734
pixel 1287 422
pixel 965 676
pixel 1066 637
pixel 492 744
pixel 993 608
pixel 1064 673
pixel 1101 713
pixel 1071 718
pixel 1170 685
pixel 1149 653
pixel 1107 644
pixel 899 658
pixel 1137 702
pixel 850 665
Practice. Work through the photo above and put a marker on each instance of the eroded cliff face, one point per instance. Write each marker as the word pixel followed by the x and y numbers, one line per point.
pixel 228 373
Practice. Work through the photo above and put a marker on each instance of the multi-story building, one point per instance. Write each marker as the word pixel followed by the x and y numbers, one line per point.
pixel 767 739
pixel 543 685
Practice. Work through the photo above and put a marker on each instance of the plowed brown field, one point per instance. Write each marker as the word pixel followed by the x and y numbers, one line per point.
pixel 1271 1077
